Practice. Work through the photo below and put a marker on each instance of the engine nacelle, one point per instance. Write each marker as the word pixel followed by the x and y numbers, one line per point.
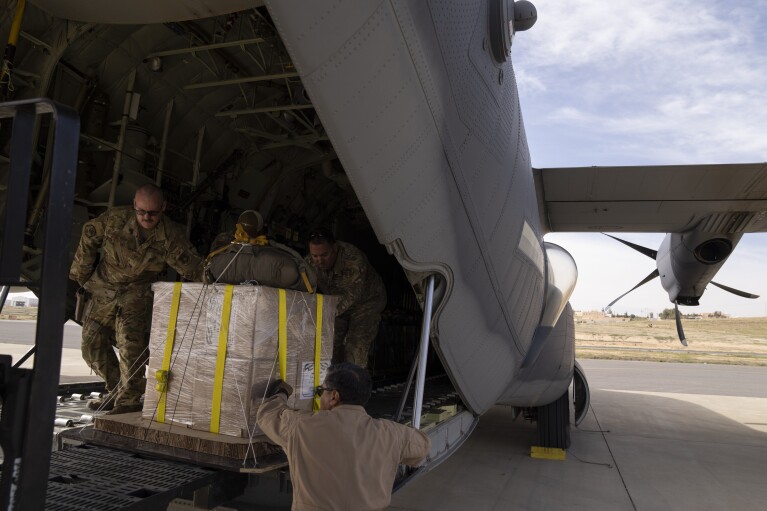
pixel 549 373
pixel 561 276
pixel 688 261
pixel 547 369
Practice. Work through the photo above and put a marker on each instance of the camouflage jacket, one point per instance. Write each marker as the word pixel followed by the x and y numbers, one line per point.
pixel 352 277
pixel 125 259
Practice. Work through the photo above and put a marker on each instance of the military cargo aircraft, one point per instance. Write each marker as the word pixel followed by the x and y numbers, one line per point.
pixel 398 124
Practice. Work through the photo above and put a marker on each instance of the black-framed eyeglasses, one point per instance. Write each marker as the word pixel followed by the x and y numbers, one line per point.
pixel 320 389
pixel 144 212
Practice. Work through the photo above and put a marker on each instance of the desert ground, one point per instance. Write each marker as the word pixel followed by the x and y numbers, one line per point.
pixel 741 341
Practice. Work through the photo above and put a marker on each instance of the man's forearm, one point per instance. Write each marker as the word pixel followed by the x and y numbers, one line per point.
pixel 271 419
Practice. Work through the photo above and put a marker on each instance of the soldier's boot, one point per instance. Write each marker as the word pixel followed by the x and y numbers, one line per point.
pixel 104 404
pixel 124 408
pixel 128 401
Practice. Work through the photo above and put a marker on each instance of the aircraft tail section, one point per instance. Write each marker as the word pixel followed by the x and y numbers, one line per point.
pixel 431 138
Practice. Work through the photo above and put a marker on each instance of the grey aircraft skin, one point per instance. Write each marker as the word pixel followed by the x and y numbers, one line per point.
pixel 433 143
pixel 408 109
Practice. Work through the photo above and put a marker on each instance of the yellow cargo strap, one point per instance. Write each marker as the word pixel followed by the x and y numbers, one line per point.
pixel 162 374
pixel 307 283
pixel 282 335
pixel 240 238
pixel 259 240
pixel 317 350
pixel 216 252
pixel 218 379
pixel 13 37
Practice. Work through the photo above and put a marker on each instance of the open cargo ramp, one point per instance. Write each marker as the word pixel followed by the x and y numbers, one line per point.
pixel 88 477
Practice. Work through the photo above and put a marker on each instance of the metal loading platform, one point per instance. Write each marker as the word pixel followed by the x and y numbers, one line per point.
pixel 88 477
pixel 386 399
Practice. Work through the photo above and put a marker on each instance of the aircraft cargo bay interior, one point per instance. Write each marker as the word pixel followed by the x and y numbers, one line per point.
pixel 214 112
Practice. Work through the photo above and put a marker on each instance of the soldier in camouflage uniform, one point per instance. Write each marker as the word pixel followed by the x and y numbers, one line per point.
pixel 137 244
pixel 342 269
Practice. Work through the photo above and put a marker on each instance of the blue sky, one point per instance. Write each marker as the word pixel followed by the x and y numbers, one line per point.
pixel 647 83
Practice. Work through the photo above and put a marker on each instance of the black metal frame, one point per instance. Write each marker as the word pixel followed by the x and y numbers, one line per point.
pixel 29 395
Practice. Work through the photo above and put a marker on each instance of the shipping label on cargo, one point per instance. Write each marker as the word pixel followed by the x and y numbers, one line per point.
pixel 307 377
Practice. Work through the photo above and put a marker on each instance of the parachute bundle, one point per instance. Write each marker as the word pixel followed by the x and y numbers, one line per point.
pixel 265 265
pixel 257 260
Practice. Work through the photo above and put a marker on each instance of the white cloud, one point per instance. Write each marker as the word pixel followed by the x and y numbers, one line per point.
pixel 687 79
pixel 647 83
pixel 571 114
pixel 529 82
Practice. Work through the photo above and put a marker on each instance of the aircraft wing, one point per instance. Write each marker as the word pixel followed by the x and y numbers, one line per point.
pixel 673 198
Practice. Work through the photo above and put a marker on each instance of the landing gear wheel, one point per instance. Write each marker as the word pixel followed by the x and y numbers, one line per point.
pixel 554 423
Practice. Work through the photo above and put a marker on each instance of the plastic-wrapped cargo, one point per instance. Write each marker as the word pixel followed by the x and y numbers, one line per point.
pixel 210 371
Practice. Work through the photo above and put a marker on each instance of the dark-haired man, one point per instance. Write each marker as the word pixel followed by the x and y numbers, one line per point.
pixel 342 269
pixel 340 458
pixel 138 242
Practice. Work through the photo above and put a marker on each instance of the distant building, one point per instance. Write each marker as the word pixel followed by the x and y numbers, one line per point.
pixel 22 301
pixel 587 316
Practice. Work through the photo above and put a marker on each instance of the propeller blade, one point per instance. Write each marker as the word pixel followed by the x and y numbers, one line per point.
pixel 679 330
pixel 734 291
pixel 652 254
pixel 644 281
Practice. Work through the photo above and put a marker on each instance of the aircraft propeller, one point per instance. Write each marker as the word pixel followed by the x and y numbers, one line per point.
pixel 644 281
pixel 734 291
pixel 679 329
pixel 652 254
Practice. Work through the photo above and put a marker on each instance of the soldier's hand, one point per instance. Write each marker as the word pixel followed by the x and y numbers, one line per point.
pixel 279 386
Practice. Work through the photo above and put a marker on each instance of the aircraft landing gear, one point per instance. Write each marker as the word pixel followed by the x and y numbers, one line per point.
pixel 554 423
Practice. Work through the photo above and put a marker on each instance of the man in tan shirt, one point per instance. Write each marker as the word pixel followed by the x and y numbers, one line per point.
pixel 340 458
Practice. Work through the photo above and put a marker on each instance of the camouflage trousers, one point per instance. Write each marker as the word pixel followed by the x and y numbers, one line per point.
pixel 355 331
pixel 120 322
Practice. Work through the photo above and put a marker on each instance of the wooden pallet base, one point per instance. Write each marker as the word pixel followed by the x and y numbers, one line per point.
pixel 164 436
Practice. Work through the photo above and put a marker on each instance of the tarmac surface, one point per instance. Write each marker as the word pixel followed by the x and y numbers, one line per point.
pixel 23 332
pixel 658 436
pixel 18 336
